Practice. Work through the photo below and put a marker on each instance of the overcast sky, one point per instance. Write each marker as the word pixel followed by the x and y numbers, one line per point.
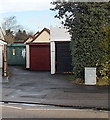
pixel 23 5
pixel 32 14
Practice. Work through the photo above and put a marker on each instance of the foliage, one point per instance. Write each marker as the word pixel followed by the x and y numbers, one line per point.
pixel 104 63
pixel 21 35
pixel 85 22
pixel 74 80
pixel 13 31
pixel 9 37
pixel 10 27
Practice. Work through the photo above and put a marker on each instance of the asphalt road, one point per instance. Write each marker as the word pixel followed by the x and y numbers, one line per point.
pixel 44 88
pixel 32 111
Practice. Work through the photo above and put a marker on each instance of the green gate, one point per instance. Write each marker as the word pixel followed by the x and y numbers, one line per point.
pixel 16 54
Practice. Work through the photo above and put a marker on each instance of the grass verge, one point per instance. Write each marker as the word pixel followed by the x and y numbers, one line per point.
pixel 100 81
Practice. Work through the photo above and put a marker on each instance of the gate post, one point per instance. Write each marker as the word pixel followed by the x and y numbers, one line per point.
pixel 5 61
pixel 52 49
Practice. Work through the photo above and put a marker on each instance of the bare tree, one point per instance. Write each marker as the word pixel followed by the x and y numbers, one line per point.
pixel 10 23
pixel 10 27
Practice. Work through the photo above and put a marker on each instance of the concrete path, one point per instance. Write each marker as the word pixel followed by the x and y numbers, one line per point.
pixel 43 88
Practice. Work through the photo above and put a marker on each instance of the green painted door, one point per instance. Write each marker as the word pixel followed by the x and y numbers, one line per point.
pixel 16 55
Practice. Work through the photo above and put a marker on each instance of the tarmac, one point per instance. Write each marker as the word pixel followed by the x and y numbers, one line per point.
pixel 36 87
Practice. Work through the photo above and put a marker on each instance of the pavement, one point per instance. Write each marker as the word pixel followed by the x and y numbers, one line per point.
pixel 28 111
pixel 0 74
pixel 35 87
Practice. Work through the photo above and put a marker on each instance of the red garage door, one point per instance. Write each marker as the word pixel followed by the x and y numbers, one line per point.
pixel 40 57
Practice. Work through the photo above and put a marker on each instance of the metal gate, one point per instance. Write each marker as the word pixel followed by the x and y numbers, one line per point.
pixel 16 54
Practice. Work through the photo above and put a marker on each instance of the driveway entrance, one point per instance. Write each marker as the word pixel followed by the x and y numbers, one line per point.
pixel 41 87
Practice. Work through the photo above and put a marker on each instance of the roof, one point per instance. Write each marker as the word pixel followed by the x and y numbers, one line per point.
pixel 1 34
pixel 3 42
pixel 17 45
pixel 35 44
pixel 59 34
pixel 19 41
pixel 36 33
pixel 30 36
pixel 45 29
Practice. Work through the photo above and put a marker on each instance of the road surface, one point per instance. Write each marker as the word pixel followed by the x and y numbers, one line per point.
pixel 43 88
pixel 40 111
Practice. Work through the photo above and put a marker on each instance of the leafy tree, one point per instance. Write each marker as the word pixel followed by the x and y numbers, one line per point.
pixel 104 62
pixel 21 35
pixel 9 37
pixel 85 22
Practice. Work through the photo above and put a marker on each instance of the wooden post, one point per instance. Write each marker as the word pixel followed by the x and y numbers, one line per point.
pixel 5 61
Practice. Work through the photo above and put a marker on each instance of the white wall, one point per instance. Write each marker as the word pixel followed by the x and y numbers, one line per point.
pixel 43 37
pixel 52 49
pixel 27 57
